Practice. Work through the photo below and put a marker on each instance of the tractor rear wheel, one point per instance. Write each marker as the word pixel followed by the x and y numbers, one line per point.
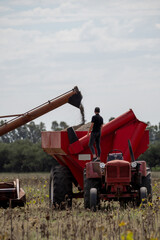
pixel 60 187
pixel 88 184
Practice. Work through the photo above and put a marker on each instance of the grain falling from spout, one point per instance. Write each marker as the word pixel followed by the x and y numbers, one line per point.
pixel 82 114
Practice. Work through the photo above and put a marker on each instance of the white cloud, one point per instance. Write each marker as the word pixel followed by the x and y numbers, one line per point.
pixel 4 9
pixel 72 11
pixel 158 25
pixel 47 47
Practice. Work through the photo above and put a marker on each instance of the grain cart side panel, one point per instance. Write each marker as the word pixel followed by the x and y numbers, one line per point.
pixel 111 127
pixel 56 144
pixel 143 144
pixel 106 143
pixel 136 133
pixel 135 139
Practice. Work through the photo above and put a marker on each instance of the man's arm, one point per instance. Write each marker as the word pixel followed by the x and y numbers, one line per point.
pixel 90 129
pixel 102 124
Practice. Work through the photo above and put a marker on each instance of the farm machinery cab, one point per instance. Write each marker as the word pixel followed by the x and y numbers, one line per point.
pixel 117 179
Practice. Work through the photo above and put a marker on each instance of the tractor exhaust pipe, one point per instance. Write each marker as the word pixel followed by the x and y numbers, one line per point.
pixel 131 151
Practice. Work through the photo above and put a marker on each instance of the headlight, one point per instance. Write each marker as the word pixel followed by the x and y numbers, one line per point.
pixel 134 164
pixel 102 165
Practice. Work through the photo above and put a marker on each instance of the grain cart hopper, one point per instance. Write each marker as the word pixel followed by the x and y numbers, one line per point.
pixel 10 192
pixel 115 178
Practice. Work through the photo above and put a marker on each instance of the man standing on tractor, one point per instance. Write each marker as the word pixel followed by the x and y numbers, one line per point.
pixel 95 129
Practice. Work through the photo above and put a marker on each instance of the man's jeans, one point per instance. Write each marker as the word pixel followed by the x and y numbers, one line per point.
pixel 95 138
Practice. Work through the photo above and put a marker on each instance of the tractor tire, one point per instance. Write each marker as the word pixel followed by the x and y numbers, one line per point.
pixel 147 182
pixel 88 184
pixel 60 187
pixel 93 199
pixel 143 195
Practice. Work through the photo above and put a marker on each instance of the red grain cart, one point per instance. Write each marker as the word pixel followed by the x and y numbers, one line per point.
pixel 117 177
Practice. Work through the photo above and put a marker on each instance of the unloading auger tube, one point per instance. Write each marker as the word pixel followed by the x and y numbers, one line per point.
pixel 73 97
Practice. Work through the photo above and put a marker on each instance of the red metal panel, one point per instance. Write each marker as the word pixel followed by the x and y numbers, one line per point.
pixel 75 147
pixel 55 140
pixel 143 144
pixel 45 140
pixel 118 171
pixel 135 139
pixel 122 135
pixel 106 145
pixel 135 132
pixel 93 170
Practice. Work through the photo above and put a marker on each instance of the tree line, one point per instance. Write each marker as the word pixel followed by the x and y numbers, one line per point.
pixel 152 155
pixel 30 131
pixel 20 149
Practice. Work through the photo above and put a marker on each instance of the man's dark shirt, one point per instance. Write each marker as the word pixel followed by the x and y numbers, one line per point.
pixel 98 121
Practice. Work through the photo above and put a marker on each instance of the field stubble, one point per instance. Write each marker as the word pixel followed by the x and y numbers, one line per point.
pixel 38 221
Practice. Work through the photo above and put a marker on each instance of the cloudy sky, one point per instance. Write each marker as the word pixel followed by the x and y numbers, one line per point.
pixel 110 49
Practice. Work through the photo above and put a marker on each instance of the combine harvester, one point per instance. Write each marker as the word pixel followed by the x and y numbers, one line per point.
pixel 117 177
pixel 10 192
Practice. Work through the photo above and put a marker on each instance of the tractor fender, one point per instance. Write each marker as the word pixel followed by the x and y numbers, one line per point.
pixel 93 170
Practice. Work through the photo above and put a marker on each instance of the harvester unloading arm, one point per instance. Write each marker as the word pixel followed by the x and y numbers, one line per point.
pixel 73 97
pixel 10 193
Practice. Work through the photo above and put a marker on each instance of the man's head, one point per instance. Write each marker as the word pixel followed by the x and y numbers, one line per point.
pixel 97 110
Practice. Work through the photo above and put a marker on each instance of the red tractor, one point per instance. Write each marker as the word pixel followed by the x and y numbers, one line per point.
pixel 117 179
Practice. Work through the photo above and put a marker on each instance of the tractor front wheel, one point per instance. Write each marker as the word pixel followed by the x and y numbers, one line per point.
pixel 93 199
pixel 147 182
pixel 90 183
pixel 143 195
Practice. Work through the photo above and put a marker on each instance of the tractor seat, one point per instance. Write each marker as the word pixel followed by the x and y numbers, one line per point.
pixel 114 156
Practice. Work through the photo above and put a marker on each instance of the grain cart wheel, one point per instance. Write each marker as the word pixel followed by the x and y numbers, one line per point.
pixel 60 187
pixel 88 184
pixel 143 195
pixel 147 182
pixel 93 199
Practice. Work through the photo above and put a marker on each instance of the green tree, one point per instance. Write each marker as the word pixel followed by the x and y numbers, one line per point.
pixel 54 126
pixel 30 131
pixel 59 126
pixel 152 155
pixel 4 156
pixel 63 125
pixel 154 132
pixel 24 156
